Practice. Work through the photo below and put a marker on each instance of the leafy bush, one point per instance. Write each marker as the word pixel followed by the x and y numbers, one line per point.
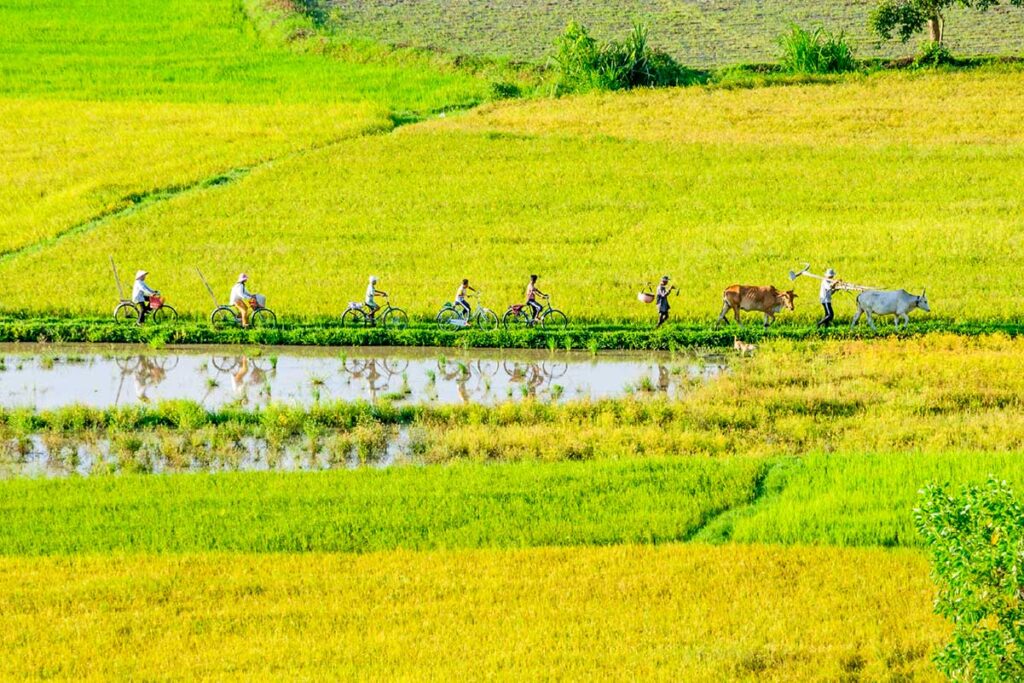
pixel 933 53
pixel 815 52
pixel 584 64
pixel 977 546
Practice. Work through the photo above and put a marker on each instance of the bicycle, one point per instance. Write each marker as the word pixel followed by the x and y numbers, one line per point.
pixel 451 315
pixel 261 316
pixel 520 316
pixel 159 311
pixel 358 315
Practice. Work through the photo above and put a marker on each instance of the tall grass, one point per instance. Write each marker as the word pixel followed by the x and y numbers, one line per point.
pixel 583 63
pixel 815 51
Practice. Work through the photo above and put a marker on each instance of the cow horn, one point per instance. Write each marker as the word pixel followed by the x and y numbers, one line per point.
pixel 922 293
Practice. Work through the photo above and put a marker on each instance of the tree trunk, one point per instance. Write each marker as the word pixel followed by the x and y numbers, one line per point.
pixel 935 26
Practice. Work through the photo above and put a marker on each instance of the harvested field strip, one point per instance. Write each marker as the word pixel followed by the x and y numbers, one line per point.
pixel 686 612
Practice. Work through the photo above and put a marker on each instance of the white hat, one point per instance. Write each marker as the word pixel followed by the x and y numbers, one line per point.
pixel 373 279
pixel 141 274
pixel 830 273
pixel 242 278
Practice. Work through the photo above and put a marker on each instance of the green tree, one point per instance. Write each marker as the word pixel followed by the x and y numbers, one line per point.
pixel 907 17
pixel 977 546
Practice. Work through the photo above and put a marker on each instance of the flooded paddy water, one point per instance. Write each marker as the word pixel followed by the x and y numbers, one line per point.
pixel 45 377
pixel 48 377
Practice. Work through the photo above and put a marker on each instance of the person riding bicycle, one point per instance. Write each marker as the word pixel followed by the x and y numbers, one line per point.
pixel 141 293
pixel 371 292
pixel 531 298
pixel 241 298
pixel 460 297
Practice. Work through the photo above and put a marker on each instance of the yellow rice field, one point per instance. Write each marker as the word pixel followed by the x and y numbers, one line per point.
pixel 895 180
pixel 65 162
pixel 654 613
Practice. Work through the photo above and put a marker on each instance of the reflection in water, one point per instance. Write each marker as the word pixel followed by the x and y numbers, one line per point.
pixel 308 377
pixel 205 450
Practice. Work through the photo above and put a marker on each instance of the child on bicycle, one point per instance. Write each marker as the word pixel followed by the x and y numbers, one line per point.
pixel 141 293
pixel 240 298
pixel 460 297
pixel 371 292
pixel 531 298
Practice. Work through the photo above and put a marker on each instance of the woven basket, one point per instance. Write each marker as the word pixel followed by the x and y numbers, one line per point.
pixel 645 298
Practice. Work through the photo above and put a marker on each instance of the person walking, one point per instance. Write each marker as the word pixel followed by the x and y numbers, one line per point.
pixel 661 298
pixel 829 284
pixel 141 293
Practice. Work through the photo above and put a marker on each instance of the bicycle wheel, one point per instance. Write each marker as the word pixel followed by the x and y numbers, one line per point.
pixel 263 318
pixel 354 317
pixel 396 319
pixel 554 320
pixel 487 320
pixel 395 366
pixel 165 315
pixel 446 317
pixel 516 320
pixel 223 317
pixel 126 312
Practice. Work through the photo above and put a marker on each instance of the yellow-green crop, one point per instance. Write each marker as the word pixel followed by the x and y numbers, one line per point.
pixel 894 180
pixel 65 162
pixel 626 612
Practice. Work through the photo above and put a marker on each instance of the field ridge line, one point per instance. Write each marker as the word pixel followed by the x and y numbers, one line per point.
pixel 137 201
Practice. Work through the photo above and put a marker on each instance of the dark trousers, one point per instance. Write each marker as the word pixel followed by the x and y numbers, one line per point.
pixel 143 310
pixel 662 315
pixel 829 316
pixel 464 305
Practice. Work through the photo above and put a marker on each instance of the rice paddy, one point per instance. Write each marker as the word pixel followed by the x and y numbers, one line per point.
pixel 748 523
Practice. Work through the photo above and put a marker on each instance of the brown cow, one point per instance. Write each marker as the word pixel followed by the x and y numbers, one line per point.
pixel 768 300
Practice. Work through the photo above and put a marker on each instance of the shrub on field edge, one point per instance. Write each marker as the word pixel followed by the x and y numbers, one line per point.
pixel 933 53
pixel 815 52
pixel 584 64
pixel 977 546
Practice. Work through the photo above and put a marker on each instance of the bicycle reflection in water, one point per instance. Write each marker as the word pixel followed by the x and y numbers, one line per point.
pixel 147 372
pixel 376 373
pixel 244 373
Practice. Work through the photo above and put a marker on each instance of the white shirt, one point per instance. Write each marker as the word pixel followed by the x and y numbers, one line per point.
pixel 825 294
pixel 140 290
pixel 240 293
pixel 371 289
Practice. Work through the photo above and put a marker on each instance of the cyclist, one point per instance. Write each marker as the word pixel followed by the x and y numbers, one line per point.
pixel 371 292
pixel 531 298
pixel 460 296
pixel 241 298
pixel 141 293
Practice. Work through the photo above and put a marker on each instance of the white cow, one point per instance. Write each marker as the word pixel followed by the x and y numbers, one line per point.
pixel 889 302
